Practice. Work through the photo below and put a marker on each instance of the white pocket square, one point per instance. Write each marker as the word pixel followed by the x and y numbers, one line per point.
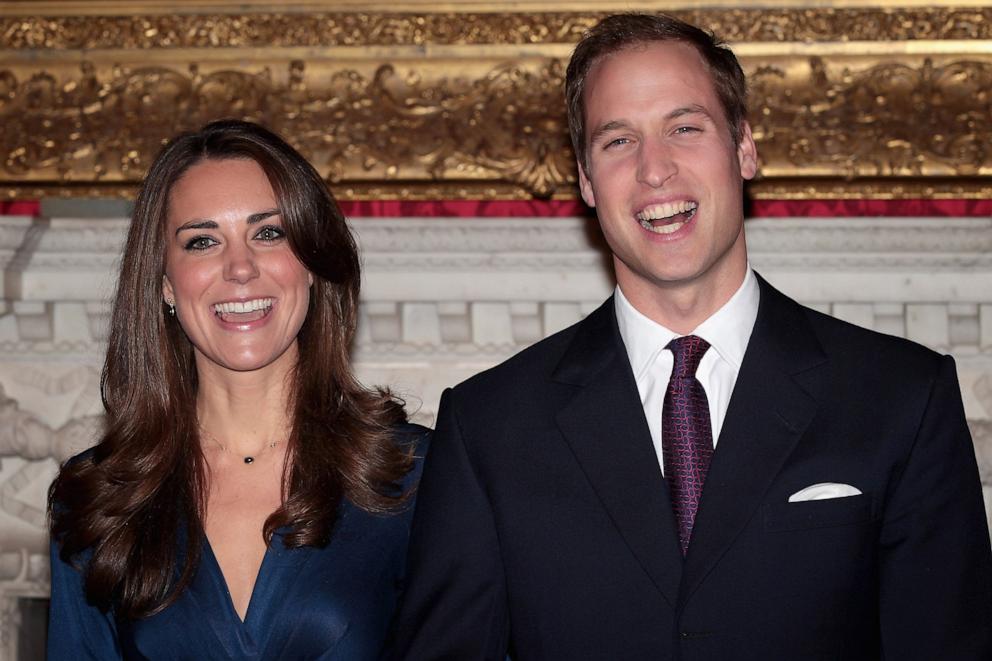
pixel 823 491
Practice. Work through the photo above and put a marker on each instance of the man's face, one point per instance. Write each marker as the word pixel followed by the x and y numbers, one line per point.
pixel 664 175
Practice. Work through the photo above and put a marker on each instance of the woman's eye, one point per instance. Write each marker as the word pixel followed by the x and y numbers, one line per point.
pixel 200 243
pixel 270 233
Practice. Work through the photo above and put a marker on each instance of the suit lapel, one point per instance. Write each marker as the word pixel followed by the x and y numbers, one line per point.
pixel 774 401
pixel 604 426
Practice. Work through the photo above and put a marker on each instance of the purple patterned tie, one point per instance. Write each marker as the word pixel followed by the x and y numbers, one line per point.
pixel 686 434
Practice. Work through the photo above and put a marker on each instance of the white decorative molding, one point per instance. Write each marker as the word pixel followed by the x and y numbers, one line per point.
pixel 24 435
pixel 943 237
pixel 22 575
pixel 442 299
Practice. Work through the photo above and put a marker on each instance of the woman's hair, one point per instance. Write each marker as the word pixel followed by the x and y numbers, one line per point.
pixel 135 502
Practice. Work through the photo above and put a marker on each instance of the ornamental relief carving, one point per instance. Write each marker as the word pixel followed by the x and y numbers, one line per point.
pixel 505 125
pixel 892 118
pixel 459 105
pixel 264 29
pixel 391 123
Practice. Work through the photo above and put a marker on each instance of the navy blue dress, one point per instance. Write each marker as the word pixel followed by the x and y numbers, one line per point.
pixel 331 603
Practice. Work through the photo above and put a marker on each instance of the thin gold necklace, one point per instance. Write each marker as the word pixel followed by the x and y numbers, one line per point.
pixel 248 458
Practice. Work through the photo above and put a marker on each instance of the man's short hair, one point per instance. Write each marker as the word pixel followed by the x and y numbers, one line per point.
pixel 622 31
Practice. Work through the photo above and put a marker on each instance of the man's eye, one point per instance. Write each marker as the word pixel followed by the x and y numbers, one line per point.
pixel 687 129
pixel 200 243
pixel 616 142
pixel 270 233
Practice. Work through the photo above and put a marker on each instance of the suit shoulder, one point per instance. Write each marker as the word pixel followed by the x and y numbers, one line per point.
pixel 527 366
pixel 870 348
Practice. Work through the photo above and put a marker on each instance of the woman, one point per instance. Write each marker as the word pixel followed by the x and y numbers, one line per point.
pixel 232 509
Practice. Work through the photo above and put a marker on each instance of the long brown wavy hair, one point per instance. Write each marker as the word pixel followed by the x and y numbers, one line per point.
pixel 134 504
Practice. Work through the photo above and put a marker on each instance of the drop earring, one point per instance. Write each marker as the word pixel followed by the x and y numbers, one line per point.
pixel 172 308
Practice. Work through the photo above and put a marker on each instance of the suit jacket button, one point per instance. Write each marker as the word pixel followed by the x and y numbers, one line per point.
pixel 694 635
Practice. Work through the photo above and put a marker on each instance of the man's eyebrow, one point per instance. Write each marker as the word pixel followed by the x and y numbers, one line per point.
pixel 608 127
pixel 693 109
pixel 619 124
pixel 207 224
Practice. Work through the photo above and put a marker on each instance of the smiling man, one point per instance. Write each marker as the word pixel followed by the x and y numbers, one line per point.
pixel 702 468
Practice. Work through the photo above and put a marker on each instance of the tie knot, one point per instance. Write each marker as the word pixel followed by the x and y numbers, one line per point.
pixel 688 351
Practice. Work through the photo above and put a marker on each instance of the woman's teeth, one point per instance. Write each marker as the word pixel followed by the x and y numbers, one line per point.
pixel 243 307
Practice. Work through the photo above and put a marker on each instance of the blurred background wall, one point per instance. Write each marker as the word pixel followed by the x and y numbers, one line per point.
pixel 440 127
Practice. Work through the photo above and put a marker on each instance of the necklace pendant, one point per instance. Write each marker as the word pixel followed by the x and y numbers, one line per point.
pixel 249 460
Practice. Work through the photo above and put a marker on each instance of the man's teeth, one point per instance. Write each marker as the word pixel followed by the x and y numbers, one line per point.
pixel 243 307
pixel 666 210
pixel 648 216
pixel 662 229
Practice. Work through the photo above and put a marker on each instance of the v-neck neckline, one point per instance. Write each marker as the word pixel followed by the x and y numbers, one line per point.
pixel 249 638
pixel 221 582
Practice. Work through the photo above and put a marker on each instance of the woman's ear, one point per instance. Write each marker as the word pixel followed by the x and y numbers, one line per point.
pixel 168 294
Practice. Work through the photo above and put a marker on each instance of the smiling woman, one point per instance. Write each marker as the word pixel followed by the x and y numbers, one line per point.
pixel 239 292
pixel 233 507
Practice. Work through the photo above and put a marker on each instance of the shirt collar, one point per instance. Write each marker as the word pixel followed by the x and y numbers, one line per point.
pixel 727 330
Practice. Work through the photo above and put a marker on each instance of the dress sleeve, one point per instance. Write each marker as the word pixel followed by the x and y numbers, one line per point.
pixel 76 629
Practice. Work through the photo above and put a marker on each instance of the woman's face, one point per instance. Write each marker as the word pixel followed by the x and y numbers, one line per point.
pixel 241 295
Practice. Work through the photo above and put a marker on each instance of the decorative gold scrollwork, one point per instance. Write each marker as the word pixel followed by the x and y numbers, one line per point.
pixel 464 104
pixel 266 29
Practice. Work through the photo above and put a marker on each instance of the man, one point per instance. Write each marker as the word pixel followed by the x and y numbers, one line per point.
pixel 702 468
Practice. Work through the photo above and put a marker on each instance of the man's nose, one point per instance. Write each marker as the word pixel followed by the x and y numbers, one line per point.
pixel 655 163
pixel 239 265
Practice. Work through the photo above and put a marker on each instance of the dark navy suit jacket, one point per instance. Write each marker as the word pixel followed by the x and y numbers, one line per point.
pixel 544 527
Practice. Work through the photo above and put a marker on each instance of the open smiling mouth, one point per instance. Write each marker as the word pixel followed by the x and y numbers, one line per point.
pixel 243 311
pixel 668 217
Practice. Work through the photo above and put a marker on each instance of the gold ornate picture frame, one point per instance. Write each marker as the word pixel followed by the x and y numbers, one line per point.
pixel 417 100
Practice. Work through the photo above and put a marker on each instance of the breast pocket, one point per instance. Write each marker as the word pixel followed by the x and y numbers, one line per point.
pixel 781 517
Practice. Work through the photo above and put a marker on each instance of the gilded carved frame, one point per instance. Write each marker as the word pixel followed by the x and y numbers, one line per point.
pixel 413 100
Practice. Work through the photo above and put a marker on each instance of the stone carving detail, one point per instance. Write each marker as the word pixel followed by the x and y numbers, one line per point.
pixel 23 574
pixel 981 433
pixel 390 124
pixel 893 238
pixel 855 123
pixel 314 29
pixel 502 124
pixel 23 435
pixel 981 430
pixel 444 298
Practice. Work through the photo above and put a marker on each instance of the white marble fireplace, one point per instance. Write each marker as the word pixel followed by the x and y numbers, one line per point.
pixel 444 298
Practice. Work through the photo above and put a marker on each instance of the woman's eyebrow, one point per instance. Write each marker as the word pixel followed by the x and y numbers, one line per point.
pixel 262 215
pixel 207 224
pixel 197 224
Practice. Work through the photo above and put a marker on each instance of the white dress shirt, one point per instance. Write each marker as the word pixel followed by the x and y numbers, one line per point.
pixel 728 331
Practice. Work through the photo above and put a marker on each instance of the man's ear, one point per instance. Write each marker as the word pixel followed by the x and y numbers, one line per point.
pixel 585 186
pixel 747 153
pixel 168 294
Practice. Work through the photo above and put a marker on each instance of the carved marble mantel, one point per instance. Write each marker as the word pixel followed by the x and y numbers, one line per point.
pixel 444 298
